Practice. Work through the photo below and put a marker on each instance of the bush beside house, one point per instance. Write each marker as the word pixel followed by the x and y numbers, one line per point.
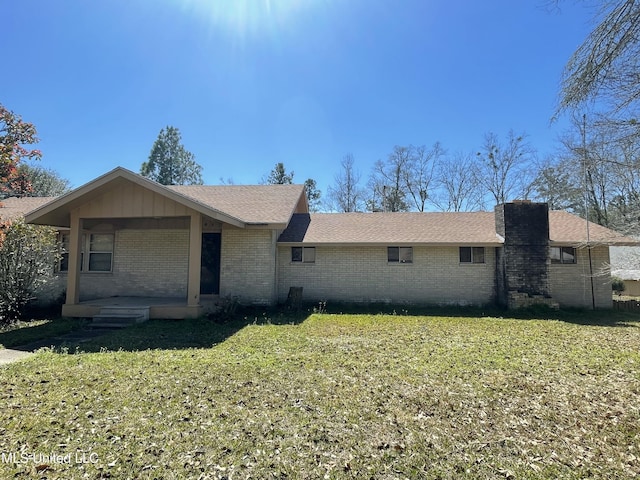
pixel 27 256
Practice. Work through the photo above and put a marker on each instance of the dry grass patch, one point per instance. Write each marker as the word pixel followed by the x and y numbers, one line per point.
pixel 339 396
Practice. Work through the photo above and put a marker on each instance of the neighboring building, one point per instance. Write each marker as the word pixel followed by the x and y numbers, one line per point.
pixel 631 281
pixel 625 264
pixel 188 246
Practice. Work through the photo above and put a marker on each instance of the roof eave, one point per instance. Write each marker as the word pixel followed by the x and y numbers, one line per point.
pixel 266 226
pixel 389 243
pixel 39 215
pixel 624 242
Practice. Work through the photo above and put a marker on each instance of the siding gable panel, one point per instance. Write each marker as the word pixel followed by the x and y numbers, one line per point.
pixel 130 201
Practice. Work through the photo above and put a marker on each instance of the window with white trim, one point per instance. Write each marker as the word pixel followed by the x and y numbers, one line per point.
pixel 100 252
pixel 400 254
pixel 99 246
pixel 303 254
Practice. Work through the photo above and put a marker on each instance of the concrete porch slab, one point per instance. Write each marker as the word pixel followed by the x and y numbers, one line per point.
pixel 168 307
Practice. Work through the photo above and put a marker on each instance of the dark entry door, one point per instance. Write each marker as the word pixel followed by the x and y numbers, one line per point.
pixel 210 264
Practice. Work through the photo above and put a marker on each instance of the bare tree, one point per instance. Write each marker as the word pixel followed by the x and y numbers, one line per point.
pixel 346 195
pixel 605 170
pixel 627 199
pixel 556 185
pixel 592 157
pixel 504 168
pixel 387 183
pixel 420 173
pixel 457 184
pixel 607 64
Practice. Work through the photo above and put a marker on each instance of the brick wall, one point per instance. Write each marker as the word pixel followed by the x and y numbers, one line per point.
pixel 248 265
pixel 523 263
pixel 570 284
pixel 362 274
pixel 151 262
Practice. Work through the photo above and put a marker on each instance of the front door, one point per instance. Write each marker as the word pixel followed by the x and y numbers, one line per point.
pixel 210 264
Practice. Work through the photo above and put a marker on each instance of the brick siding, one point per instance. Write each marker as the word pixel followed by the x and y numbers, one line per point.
pixel 154 262
pixel 151 262
pixel 362 274
pixel 570 284
pixel 248 265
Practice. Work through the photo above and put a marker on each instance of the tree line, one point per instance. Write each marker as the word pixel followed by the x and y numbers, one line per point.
pixel 593 173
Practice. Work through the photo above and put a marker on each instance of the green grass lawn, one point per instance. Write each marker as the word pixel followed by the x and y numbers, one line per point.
pixel 333 396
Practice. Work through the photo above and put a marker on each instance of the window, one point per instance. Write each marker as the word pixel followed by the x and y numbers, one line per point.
pixel 63 263
pixel 471 254
pixel 563 255
pixel 99 246
pixel 400 254
pixel 303 254
pixel 100 252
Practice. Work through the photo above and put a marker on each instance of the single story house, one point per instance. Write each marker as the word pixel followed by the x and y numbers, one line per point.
pixel 189 246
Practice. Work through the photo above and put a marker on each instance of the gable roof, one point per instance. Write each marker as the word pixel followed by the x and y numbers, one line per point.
pixel 261 205
pixel 253 204
pixel 16 207
pixel 432 228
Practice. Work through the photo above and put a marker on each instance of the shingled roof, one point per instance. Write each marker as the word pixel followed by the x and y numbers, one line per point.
pixel 280 207
pixel 432 228
pixel 16 207
pixel 242 205
pixel 566 228
pixel 252 204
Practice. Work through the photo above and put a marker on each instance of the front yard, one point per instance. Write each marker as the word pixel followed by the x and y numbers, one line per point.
pixel 332 396
pixel 24 332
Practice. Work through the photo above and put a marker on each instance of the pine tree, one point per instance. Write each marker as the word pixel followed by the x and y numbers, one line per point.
pixel 170 163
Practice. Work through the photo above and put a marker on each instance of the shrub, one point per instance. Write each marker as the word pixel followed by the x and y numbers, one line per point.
pixel 27 257
pixel 226 310
pixel 617 284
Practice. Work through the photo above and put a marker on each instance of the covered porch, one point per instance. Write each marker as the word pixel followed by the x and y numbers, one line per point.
pixel 132 242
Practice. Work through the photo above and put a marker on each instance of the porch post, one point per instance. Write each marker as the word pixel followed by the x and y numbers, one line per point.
pixel 75 249
pixel 195 252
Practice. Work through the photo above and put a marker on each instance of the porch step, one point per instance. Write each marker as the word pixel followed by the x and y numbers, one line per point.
pixel 120 317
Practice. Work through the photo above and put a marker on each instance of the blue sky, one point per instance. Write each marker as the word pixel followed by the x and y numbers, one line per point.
pixel 253 82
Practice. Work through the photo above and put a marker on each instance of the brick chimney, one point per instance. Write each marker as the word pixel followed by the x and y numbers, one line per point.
pixel 522 264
